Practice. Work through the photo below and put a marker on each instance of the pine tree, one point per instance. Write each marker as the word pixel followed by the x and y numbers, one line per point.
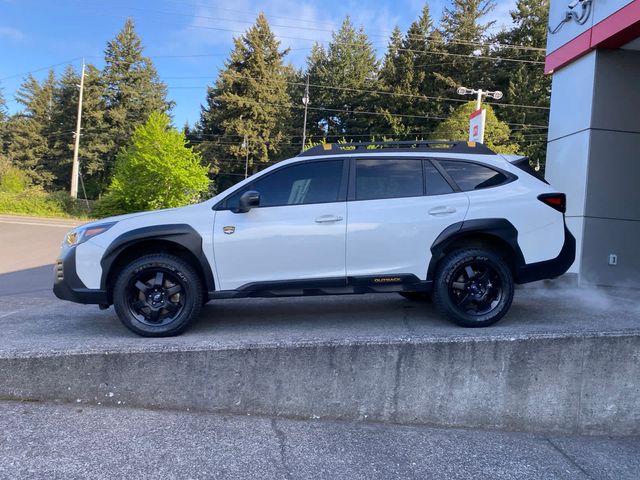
pixel 249 100
pixel 31 130
pixel 525 83
pixel 3 122
pixel 64 123
pixel 462 31
pixel 456 127
pixel 343 71
pixel 407 72
pixel 132 91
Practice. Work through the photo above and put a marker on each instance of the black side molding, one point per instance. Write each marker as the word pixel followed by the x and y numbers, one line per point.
pixel 328 286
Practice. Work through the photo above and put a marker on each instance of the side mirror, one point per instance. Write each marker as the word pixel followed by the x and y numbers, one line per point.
pixel 249 200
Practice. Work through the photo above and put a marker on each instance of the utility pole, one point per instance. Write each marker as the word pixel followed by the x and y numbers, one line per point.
pixel 478 119
pixel 305 102
pixel 76 166
pixel 245 144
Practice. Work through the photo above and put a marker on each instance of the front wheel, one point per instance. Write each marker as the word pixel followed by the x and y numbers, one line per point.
pixel 473 287
pixel 157 295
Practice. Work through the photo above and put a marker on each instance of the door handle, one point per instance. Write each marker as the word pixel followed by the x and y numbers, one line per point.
pixel 328 219
pixel 442 211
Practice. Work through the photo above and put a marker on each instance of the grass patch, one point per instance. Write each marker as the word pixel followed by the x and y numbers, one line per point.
pixel 37 202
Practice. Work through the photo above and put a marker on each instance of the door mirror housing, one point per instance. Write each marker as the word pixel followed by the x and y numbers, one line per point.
pixel 248 200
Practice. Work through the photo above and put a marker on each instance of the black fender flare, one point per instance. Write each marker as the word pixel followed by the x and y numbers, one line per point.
pixel 499 228
pixel 180 234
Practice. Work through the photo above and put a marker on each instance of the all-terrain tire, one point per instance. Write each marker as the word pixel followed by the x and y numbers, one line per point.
pixel 158 295
pixel 473 287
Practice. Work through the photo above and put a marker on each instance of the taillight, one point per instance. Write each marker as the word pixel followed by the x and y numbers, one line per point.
pixel 557 201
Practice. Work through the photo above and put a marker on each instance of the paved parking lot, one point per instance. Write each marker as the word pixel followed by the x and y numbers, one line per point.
pixel 33 320
pixel 80 441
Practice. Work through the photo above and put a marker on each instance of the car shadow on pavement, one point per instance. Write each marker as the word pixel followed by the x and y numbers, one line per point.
pixel 30 280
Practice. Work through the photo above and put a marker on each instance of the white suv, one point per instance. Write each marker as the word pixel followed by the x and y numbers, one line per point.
pixel 452 219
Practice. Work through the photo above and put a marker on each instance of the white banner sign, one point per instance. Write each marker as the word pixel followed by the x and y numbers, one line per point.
pixel 476 125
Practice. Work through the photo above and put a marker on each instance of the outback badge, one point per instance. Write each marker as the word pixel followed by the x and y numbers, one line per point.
pixel 229 230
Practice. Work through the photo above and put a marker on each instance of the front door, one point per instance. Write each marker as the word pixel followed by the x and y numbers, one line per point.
pixel 297 233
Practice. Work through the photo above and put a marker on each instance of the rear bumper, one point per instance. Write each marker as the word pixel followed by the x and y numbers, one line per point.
pixel 550 268
pixel 68 286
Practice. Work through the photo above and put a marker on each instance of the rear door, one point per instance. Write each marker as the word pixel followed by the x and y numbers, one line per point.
pixel 396 209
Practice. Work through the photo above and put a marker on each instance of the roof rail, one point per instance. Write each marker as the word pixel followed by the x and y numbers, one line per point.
pixel 416 146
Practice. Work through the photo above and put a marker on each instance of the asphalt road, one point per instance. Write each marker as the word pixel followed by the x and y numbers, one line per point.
pixel 29 248
pixel 71 441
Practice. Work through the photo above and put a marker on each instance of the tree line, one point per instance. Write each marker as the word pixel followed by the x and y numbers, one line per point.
pixel 253 109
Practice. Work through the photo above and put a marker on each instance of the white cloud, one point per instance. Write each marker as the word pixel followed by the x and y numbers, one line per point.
pixel 12 34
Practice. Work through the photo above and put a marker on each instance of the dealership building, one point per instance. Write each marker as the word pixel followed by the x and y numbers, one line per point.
pixel 593 153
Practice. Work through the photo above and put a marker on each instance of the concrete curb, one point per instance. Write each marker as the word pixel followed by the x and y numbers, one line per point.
pixel 585 384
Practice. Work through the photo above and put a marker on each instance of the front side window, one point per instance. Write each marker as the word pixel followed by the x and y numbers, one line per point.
pixel 388 178
pixel 471 176
pixel 309 182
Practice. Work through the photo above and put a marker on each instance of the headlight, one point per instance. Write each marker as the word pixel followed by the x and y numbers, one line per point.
pixel 82 234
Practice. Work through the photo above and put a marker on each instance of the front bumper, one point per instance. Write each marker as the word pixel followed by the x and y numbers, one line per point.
pixel 550 268
pixel 68 286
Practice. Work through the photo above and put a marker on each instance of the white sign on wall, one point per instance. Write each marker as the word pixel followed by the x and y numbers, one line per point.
pixel 476 125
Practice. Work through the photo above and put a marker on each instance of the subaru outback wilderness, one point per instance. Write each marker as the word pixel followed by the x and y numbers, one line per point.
pixel 449 219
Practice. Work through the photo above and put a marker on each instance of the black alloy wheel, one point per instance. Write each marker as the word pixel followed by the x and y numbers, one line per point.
pixel 158 295
pixel 474 287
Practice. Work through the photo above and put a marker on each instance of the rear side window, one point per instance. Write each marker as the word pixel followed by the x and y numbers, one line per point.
pixel 471 176
pixel 436 184
pixel 388 178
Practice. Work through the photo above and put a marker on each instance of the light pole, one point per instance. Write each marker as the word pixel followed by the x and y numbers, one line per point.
pixel 245 145
pixel 76 164
pixel 477 120
pixel 305 102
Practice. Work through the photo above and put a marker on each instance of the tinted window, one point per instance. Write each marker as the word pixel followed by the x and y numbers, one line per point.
pixel 470 176
pixel 313 182
pixel 388 178
pixel 436 184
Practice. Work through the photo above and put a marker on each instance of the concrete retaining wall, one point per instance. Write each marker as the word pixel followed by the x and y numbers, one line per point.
pixel 574 384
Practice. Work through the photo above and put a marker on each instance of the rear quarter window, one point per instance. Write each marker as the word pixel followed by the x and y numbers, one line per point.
pixel 471 176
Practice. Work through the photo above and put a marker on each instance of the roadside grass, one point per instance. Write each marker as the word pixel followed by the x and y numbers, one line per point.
pixel 35 201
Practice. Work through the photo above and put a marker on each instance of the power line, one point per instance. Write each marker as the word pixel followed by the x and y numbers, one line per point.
pixel 362 90
pixel 352 44
pixel 334 27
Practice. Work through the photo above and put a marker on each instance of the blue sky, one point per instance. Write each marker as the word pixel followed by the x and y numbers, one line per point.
pixel 188 40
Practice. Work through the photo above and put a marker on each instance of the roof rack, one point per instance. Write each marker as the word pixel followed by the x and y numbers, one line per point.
pixel 416 146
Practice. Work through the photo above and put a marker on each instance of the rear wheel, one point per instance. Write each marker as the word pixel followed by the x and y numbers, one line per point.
pixel 473 287
pixel 157 295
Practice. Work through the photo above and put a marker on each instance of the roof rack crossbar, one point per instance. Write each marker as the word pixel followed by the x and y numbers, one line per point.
pixel 414 145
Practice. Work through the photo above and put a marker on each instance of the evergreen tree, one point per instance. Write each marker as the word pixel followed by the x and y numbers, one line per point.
pixel 526 83
pixel 31 130
pixel 3 122
pixel 407 72
pixel 156 170
pixel 64 123
pixel 456 127
pixel 348 65
pixel 132 90
pixel 462 31
pixel 249 100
